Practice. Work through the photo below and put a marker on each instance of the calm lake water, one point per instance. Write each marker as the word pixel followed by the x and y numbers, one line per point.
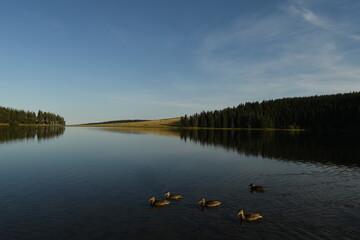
pixel 93 183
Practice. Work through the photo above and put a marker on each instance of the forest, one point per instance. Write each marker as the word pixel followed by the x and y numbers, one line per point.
pixel 14 116
pixel 326 112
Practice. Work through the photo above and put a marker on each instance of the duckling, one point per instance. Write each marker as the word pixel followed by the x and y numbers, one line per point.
pixel 253 187
pixel 204 203
pixel 158 203
pixel 248 217
pixel 173 197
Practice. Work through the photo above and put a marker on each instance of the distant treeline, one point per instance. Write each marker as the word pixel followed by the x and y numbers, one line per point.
pixel 339 111
pixel 116 121
pixel 14 116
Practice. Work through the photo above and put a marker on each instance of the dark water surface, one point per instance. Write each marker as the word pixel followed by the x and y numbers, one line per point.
pixel 91 183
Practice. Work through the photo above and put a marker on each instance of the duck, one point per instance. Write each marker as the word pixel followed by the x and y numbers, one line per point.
pixel 253 187
pixel 248 217
pixel 158 203
pixel 204 203
pixel 173 196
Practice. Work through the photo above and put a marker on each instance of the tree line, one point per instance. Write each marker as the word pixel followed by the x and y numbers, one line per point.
pixel 10 115
pixel 337 111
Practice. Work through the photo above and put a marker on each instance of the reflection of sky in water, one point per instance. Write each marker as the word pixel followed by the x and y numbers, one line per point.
pixel 90 181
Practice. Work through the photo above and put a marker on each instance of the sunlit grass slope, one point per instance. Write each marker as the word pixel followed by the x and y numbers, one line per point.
pixel 163 123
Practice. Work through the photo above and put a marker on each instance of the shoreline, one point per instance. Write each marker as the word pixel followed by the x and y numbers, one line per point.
pixel 171 123
pixel 34 125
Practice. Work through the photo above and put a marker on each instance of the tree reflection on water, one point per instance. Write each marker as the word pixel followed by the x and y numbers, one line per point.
pixel 10 134
pixel 322 147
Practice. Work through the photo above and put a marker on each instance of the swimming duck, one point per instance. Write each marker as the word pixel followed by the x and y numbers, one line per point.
pixel 248 217
pixel 253 187
pixel 204 203
pixel 158 203
pixel 173 197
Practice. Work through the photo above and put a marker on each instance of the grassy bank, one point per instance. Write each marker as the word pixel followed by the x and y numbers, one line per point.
pixel 163 123
pixel 174 123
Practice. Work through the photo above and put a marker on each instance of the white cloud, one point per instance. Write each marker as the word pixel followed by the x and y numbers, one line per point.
pixel 309 16
pixel 299 8
pixel 279 55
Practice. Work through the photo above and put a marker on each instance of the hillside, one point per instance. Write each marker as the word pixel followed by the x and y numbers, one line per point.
pixel 163 123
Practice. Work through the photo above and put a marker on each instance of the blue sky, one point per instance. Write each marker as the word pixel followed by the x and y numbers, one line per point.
pixel 98 60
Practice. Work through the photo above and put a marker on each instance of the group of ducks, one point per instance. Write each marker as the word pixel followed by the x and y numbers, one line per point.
pixel 210 204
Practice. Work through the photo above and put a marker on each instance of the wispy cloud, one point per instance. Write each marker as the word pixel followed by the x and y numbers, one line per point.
pixel 281 55
pixel 309 16
pixel 300 9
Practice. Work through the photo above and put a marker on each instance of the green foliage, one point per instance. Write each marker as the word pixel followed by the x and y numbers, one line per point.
pixel 339 111
pixel 14 116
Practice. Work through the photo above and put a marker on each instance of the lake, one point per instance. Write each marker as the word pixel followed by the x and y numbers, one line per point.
pixel 94 183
